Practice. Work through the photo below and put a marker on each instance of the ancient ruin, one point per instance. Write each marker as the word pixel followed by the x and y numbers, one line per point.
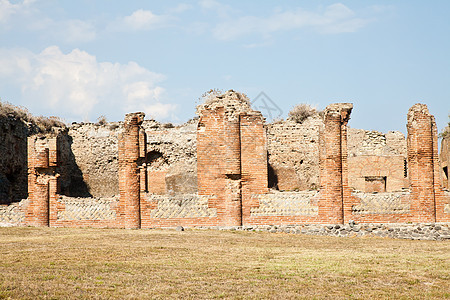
pixel 225 168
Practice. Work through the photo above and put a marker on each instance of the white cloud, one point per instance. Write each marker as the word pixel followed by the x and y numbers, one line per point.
pixel 145 20
pixel 74 31
pixel 335 18
pixel 222 10
pixel 23 16
pixel 76 85
pixel 9 10
pixel 159 110
pixel 180 8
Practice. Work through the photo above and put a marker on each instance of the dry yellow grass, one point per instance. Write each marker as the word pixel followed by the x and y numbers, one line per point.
pixel 54 263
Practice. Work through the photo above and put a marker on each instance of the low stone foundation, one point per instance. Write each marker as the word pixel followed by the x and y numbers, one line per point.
pixel 430 231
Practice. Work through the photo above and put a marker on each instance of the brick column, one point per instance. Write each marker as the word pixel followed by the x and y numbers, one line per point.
pixel 333 160
pixel 253 161
pixel 231 156
pixel 129 170
pixel 42 178
pixel 423 164
pixel 232 172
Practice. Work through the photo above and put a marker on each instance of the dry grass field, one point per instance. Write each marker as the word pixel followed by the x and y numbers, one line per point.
pixel 49 263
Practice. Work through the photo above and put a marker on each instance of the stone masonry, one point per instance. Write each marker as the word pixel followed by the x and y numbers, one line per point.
pixel 293 154
pixel 214 172
pixel 376 161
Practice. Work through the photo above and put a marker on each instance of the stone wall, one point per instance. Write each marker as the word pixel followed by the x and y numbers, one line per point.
pixel 171 157
pixel 368 142
pixel 293 151
pixel 13 214
pixel 13 159
pixel 370 173
pixel 214 172
pixel 377 161
pixel 275 203
pixel 382 203
pixel 91 160
pixel 78 209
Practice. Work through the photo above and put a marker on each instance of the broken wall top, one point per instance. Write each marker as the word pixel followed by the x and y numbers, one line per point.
pixel 371 142
pixel 342 109
pixel 233 103
pixel 416 112
pixel 134 118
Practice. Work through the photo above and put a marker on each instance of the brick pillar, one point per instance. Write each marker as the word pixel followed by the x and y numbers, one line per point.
pixel 232 172
pixel 333 160
pixel 231 155
pixel 253 160
pixel 423 164
pixel 129 170
pixel 42 178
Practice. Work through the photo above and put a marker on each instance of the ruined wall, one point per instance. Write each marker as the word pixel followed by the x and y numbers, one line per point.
pixel 293 151
pixel 377 161
pixel 91 159
pixel 371 173
pixel 171 157
pixel 13 214
pixel 425 201
pixel 444 157
pixel 368 142
pixel 13 159
pixel 226 152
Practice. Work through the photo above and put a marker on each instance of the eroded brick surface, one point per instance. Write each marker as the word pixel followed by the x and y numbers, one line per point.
pixel 231 156
pixel 132 170
pixel 42 178
pixel 426 192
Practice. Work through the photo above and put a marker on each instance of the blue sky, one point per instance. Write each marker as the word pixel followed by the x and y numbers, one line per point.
pixel 82 59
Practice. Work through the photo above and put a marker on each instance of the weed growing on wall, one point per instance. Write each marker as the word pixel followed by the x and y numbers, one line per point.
pixel 44 124
pixel 301 112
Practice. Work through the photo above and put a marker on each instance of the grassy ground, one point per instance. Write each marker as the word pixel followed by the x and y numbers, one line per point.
pixel 128 264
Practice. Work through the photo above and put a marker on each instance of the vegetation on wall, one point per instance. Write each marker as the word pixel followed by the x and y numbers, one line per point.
pixel 44 124
pixel 301 112
pixel 446 131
